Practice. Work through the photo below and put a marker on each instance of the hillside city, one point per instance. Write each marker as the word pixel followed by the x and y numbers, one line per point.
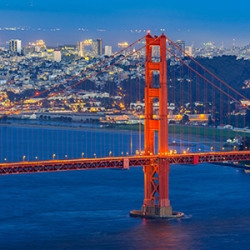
pixel 64 83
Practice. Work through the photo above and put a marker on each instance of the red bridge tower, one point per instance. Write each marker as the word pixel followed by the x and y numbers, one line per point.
pixel 156 176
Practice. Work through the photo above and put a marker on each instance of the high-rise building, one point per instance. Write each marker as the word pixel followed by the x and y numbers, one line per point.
pixel 189 50
pixel 181 45
pixel 15 45
pixel 97 47
pixel 156 51
pixel 80 48
pixel 108 50
pixel 94 48
pixel 57 55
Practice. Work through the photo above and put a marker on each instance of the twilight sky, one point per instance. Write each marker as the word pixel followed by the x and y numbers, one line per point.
pixel 193 21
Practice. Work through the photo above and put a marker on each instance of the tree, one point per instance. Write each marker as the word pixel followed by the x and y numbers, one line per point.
pixel 11 96
pixel 184 119
pixel 172 122
pixel 245 143
pixel 248 116
pixel 210 121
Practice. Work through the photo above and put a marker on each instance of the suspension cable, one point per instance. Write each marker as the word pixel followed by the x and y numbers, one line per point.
pixel 204 78
pixel 209 72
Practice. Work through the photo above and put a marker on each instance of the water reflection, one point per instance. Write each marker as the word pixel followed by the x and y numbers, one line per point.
pixel 161 234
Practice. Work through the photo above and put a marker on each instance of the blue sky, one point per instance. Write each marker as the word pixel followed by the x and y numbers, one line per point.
pixel 193 21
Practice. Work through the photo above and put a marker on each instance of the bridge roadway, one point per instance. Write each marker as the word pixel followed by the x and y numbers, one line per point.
pixel 120 162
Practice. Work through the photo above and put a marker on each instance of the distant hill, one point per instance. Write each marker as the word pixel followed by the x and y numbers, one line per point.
pixel 234 72
pixel 185 86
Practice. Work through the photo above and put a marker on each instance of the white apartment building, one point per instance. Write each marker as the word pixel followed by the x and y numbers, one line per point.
pixel 15 45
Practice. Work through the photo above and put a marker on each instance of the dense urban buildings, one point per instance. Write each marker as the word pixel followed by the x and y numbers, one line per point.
pixel 37 68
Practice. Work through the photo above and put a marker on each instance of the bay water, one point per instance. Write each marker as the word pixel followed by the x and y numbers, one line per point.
pixel 90 209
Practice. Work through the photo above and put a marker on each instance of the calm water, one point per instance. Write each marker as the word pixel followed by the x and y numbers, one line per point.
pixel 89 209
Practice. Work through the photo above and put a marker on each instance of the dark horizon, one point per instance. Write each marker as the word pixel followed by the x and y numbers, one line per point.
pixel 219 22
pixel 72 36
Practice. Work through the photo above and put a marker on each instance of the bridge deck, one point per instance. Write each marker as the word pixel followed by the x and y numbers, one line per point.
pixel 120 162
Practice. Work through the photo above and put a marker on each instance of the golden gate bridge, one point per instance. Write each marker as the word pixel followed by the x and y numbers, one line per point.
pixel 155 162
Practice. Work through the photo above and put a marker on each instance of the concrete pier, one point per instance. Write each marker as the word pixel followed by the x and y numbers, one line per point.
pixel 156 212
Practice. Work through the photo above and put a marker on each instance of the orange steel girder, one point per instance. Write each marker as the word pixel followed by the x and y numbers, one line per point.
pixel 156 182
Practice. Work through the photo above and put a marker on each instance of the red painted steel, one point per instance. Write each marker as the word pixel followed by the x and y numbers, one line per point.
pixel 156 175
pixel 120 162
pixel 196 159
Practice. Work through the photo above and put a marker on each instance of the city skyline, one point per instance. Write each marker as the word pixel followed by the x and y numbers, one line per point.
pixel 176 125
pixel 64 22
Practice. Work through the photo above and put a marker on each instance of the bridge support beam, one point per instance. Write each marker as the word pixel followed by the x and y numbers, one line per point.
pixel 156 176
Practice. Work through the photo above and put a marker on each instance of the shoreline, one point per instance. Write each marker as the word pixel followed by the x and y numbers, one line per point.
pixel 189 138
pixel 229 164
pixel 74 126
pixel 183 140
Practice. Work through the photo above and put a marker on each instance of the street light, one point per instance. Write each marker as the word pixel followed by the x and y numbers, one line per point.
pixel 121 153
pixel 5 159
pixel 53 156
pixel 82 154
pixel 36 157
pixel 110 153
pixel 126 153
pixel 95 155
pixel 24 157
pixel 66 156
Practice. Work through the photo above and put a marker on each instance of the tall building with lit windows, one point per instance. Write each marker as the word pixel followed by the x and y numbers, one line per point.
pixel 57 55
pixel 80 48
pixel 97 47
pixel 15 45
pixel 156 51
pixel 181 45
pixel 108 50
pixel 175 54
pixel 189 50
pixel 94 48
